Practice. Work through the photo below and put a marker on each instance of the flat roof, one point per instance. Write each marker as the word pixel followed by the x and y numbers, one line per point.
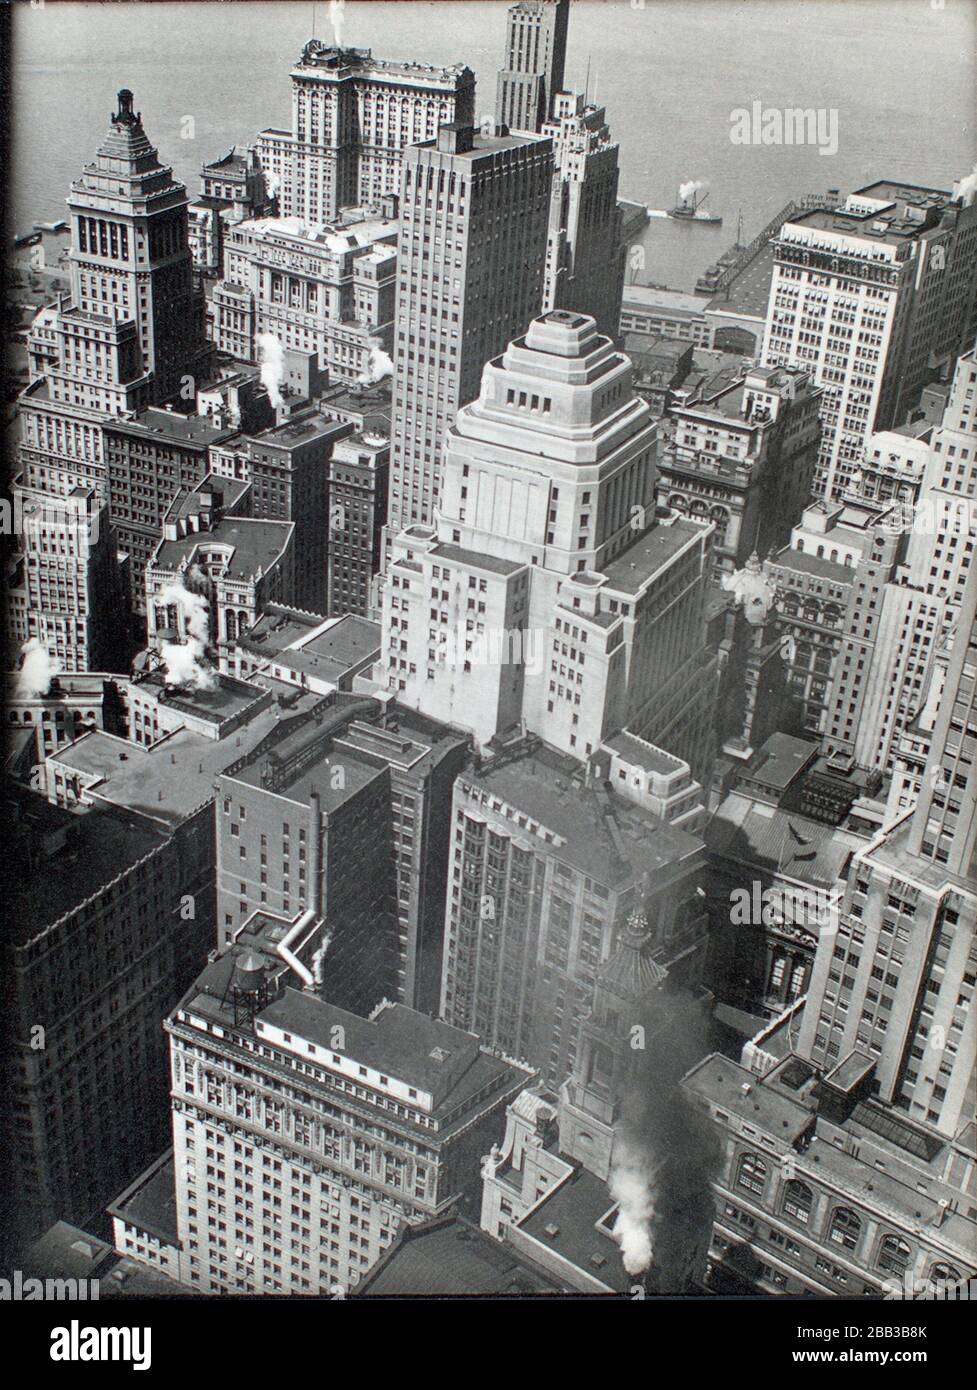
pixel 421 1051
pixel 541 786
pixel 149 1203
pixel 646 755
pixel 176 776
pixel 318 777
pixel 451 1256
pixel 648 554
pixel 256 545
pixel 100 846
pixel 67 1252
pixel 185 429
pixel 278 628
pixel 566 1222
pixel 655 297
pixel 778 841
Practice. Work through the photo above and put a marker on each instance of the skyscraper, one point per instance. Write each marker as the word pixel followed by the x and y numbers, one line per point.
pixel 872 296
pixel 472 254
pixel 130 255
pixel 73 582
pixel 907 593
pixel 547 592
pixel 585 253
pixel 895 985
pixel 535 52
pixel 132 330
pixel 305 1135
pixel 353 116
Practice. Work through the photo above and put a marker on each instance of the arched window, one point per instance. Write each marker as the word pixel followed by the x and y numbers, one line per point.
pixel 800 547
pixel 944 1274
pixel 751 1173
pixel 798 1201
pixel 894 1254
pixel 845 1228
pixel 230 624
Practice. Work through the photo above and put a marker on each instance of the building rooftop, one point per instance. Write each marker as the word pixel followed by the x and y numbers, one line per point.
pixel 541 787
pixel 575 1222
pixel 779 842
pixel 67 1252
pixel 670 301
pixel 278 628
pixel 649 554
pixel 781 761
pixel 645 755
pixel 300 429
pixel 255 546
pixel 175 777
pixel 336 237
pixel 55 860
pixel 149 1203
pixel 169 424
pixel 802 562
pixel 451 1257
pixel 274 768
pixel 476 559
pixel 223 701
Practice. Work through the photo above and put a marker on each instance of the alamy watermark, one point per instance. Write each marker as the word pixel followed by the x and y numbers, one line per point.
pixel 757 124
pixel 816 910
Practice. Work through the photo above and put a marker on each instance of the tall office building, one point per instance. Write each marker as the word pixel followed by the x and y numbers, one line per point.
pixel 535 52
pixel 545 866
pixel 132 328
pixel 873 297
pixel 130 255
pixel 289 467
pixel 305 1135
pixel 907 594
pixel 472 254
pixel 95 953
pixel 74 582
pixel 896 984
pixel 585 251
pixel 359 476
pixel 353 116
pixel 546 593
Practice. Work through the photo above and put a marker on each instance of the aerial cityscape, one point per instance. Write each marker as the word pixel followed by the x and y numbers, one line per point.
pixel 491 734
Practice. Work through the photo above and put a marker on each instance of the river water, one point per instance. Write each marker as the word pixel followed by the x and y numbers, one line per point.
pixel 899 74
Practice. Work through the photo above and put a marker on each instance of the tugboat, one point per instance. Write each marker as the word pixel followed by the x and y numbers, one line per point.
pixel 687 210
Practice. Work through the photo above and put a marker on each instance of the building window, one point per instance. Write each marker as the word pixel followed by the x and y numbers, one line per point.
pixel 798 1201
pixel 751 1173
pixel 845 1228
pixel 894 1254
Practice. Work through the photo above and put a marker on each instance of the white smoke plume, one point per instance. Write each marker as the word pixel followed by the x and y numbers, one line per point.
pixel 271 355
pixel 632 1186
pixel 272 185
pixel 967 188
pixel 686 190
pixel 186 662
pixel 665 1151
pixel 37 670
pixel 337 18
pixel 381 365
